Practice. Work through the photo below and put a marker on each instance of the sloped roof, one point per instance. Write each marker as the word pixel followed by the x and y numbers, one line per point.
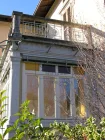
pixel 5 18
pixel 43 7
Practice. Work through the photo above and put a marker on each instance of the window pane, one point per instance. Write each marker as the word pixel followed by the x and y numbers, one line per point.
pixel 32 66
pixel 68 14
pixel 64 85
pixel 79 97
pixel 32 93
pixel 64 69
pixel 48 68
pixel 64 17
pixel 49 93
pixel 78 70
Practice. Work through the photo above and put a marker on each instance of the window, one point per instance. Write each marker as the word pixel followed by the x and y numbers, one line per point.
pixel 32 93
pixel 49 93
pixel 64 17
pixel 64 85
pixel 78 70
pixel 48 68
pixel 32 66
pixel 67 15
pixel 54 85
pixel 79 97
pixel 64 69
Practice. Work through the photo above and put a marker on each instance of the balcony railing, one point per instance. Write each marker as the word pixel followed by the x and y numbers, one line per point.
pixel 54 29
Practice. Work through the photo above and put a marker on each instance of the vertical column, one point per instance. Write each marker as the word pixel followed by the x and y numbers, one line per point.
pixel 72 98
pixel 14 91
pixel 16 19
pixel 40 97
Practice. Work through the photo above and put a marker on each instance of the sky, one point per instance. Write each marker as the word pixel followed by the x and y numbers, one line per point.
pixel 25 6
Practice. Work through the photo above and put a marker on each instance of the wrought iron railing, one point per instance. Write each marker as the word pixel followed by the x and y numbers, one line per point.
pixel 41 30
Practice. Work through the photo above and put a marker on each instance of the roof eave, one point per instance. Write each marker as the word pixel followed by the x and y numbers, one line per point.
pixel 37 7
pixel 5 18
pixel 43 8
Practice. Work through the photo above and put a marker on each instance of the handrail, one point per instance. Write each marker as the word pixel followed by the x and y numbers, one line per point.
pixel 53 21
pixel 97 31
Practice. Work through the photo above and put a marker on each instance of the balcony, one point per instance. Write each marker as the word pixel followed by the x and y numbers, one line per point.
pixel 52 29
pixel 27 25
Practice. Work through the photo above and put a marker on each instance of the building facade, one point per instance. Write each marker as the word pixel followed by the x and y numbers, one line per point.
pixel 41 61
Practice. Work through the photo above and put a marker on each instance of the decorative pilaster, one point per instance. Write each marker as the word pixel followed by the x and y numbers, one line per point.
pixel 15 81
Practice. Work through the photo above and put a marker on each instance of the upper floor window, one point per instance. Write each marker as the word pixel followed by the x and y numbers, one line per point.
pixel 67 15
pixel 64 17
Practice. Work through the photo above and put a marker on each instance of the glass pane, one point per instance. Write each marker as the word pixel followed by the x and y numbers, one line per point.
pixel 32 93
pixel 69 14
pixel 32 66
pixel 49 93
pixel 64 69
pixel 78 70
pixel 64 85
pixel 48 68
pixel 64 17
pixel 79 97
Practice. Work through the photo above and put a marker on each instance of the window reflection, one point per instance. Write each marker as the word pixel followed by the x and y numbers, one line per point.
pixel 48 68
pixel 64 69
pixel 79 97
pixel 32 93
pixel 64 85
pixel 49 93
pixel 78 70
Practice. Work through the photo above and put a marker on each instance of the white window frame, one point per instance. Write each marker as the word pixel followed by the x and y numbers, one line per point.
pixel 57 75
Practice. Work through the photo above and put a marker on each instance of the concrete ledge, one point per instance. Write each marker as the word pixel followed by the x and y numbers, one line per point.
pixel 57 42
pixel 71 121
pixel 49 60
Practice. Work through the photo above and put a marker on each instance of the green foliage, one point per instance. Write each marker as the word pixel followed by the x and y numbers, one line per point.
pixel 87 131
pixel 3 118
pixel 27 127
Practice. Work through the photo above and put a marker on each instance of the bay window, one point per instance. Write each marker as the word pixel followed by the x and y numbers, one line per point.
pixel 54 91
